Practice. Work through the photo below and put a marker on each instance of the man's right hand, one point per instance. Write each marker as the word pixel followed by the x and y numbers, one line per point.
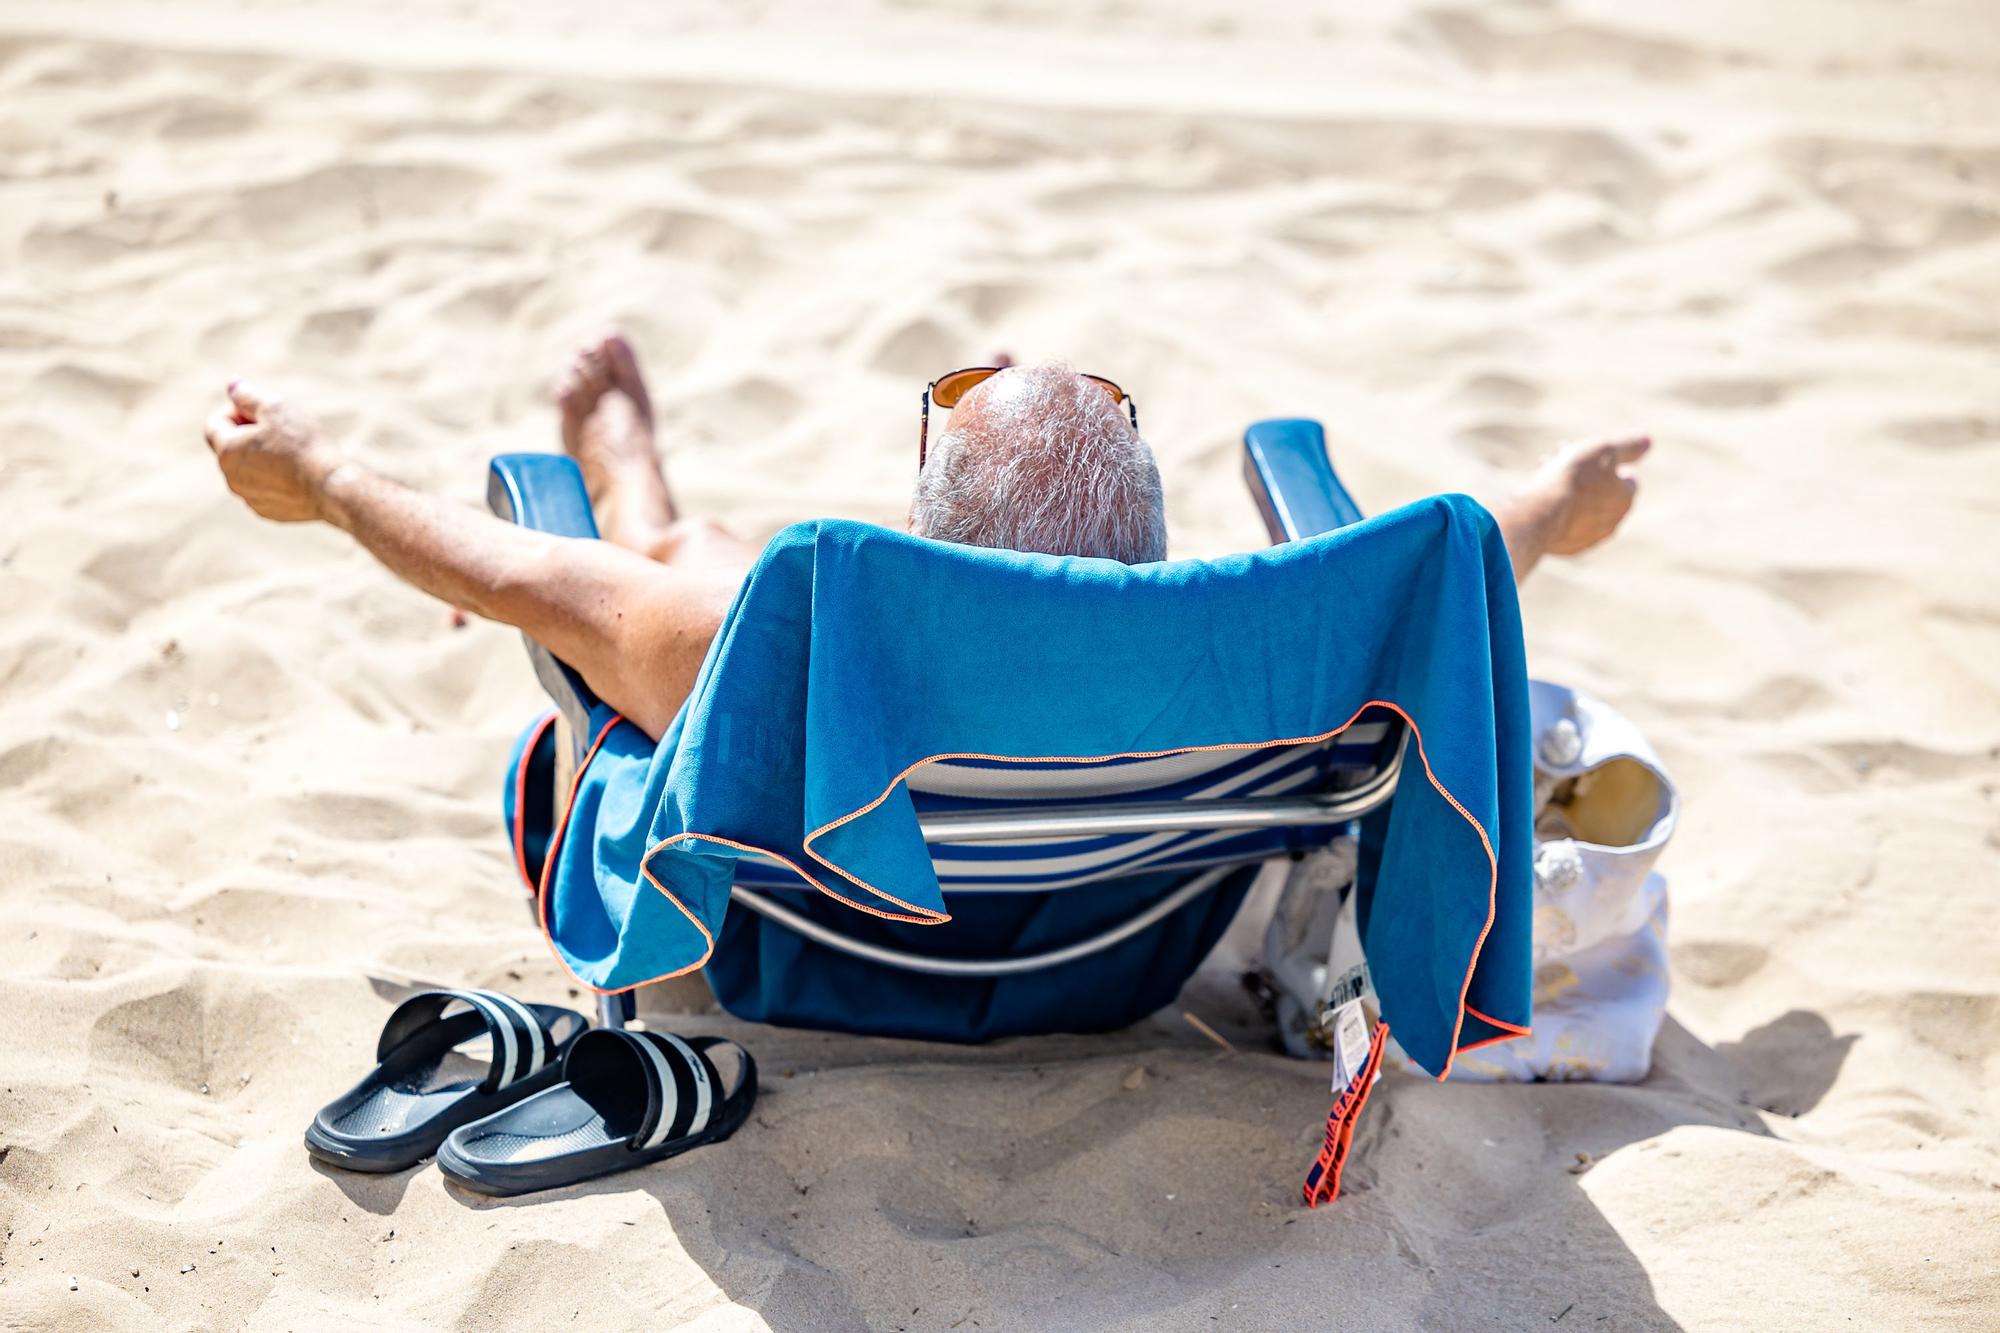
pixel 1590 488
pixel 1574 501
pixel 271 455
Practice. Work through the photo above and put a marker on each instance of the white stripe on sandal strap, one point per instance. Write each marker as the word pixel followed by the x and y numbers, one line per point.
pixel 538 1054
pixel 704 1096
pixel 669 1100
pixel 653 1044
pixel 503 1027
pixel 502 1024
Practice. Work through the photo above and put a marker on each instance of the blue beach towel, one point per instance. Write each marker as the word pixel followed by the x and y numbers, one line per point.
pixel 854 654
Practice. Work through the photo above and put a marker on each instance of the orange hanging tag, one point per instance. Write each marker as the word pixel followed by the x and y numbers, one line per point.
pixel 1323 1180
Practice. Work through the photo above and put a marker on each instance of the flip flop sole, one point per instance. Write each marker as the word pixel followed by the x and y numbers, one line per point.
pixel 557 1139
pixel 384 1153
pixel 411 1142
pixel 348 1157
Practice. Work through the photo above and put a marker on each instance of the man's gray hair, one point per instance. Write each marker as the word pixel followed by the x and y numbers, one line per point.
pixel 1051 465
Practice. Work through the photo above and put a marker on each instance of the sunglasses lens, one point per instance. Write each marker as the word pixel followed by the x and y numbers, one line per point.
pixel 950 388
pixel 957 384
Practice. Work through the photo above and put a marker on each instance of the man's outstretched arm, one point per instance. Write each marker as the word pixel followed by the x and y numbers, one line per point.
pixel 1574 501
pixel 636 630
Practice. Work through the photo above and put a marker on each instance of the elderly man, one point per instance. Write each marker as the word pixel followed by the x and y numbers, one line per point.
pixel 1038 459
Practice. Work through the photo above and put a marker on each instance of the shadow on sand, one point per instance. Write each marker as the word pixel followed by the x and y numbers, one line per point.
pixel 1148 1179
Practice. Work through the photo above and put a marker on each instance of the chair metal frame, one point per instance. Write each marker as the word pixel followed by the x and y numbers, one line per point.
pixel 1292 480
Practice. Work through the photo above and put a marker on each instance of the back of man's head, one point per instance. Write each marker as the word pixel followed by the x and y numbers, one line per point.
pixel 1042 459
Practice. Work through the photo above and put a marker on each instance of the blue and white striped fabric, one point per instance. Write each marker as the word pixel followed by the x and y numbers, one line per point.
pixel 1041 865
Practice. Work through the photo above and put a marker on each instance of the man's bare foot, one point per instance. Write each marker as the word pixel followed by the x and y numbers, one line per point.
pixel 1574 501
pixel 607 427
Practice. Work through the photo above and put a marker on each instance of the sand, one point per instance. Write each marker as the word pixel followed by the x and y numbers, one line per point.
pixel 248 784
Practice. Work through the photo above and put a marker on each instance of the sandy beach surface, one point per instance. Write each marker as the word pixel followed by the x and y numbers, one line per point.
pixel 248 784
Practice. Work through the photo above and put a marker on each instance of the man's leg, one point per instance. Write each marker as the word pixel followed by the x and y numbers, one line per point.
pixel 607 427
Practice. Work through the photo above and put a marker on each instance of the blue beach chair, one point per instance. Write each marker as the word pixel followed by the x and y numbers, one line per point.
pixel 1125 867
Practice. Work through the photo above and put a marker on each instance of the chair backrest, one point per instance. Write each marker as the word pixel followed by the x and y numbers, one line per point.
pixel 1226 787
pixel 1028 827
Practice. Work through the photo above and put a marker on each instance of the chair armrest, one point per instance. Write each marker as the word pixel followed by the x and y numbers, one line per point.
pixel 1291 478
pixel 546 492
pixel 541 491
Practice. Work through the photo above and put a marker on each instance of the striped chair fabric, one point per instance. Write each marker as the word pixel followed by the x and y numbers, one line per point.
pixel 1039 865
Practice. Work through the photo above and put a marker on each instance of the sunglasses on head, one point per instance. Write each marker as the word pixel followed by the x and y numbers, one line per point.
pixel 946 390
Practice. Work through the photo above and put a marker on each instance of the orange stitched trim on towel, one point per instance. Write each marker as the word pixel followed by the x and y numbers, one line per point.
pixel 927 916
pixel 1512 1029
pixel 549 868
pixel 1484 1042
pixel 521 803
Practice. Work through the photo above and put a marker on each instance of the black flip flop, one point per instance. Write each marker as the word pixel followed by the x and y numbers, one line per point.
pixel 423 1087
pixel 629 1098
